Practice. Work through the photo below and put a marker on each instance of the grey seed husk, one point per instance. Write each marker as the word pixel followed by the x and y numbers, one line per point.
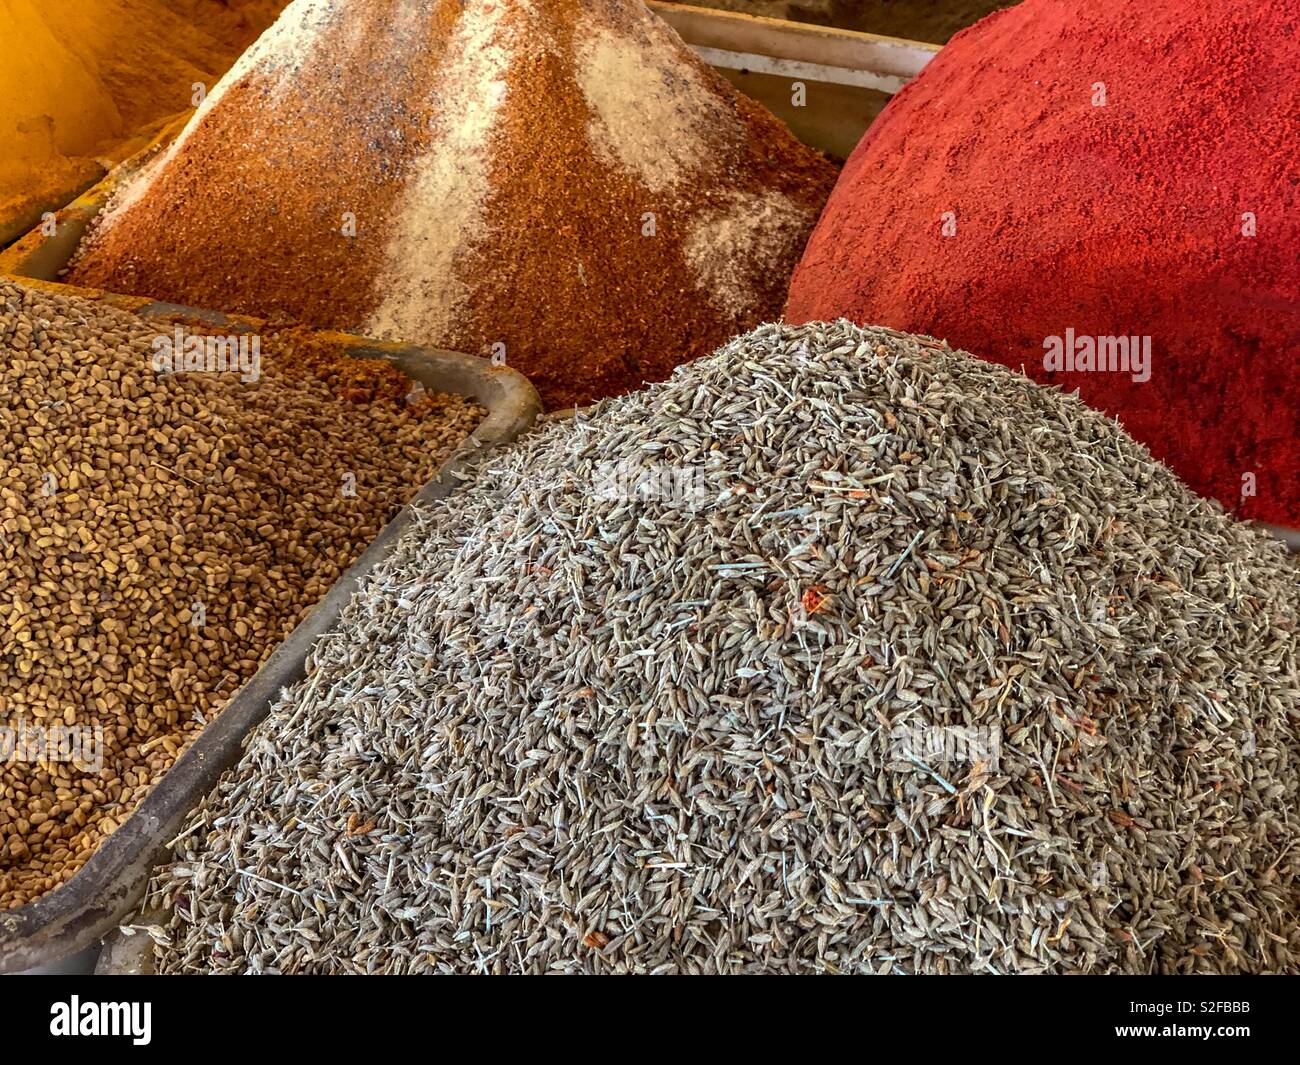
pixel 566 730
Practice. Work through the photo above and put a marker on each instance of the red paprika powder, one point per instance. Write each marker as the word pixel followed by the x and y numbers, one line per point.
pixel 1063 176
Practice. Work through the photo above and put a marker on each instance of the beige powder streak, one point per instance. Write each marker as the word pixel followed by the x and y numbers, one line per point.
pixel 441 215
pixel 276 56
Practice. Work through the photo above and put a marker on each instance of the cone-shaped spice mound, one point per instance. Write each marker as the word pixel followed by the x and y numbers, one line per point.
pixel 1084 179
pixel 561 182
pixel 839 652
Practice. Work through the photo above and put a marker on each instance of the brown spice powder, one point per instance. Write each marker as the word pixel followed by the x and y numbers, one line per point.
pixel 586 303
pixel 255 215
pixel 248 214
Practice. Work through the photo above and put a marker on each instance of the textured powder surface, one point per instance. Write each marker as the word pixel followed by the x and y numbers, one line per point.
pixel 489 182
pixel 582 726
pixel 442 213
pixel 731 247
pixel 1124 219
pixel 275 55
pixel 645 115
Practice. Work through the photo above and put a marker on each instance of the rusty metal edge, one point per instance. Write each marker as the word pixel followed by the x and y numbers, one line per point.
pixel 93 901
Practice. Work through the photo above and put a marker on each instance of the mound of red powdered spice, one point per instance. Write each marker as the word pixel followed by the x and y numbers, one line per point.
pixel 1063 174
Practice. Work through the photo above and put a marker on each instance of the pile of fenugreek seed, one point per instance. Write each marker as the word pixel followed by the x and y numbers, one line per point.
pixel 838 652
pixel 159 535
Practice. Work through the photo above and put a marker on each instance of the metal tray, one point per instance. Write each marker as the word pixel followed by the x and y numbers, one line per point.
pixel 91 903
pixel 848 76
